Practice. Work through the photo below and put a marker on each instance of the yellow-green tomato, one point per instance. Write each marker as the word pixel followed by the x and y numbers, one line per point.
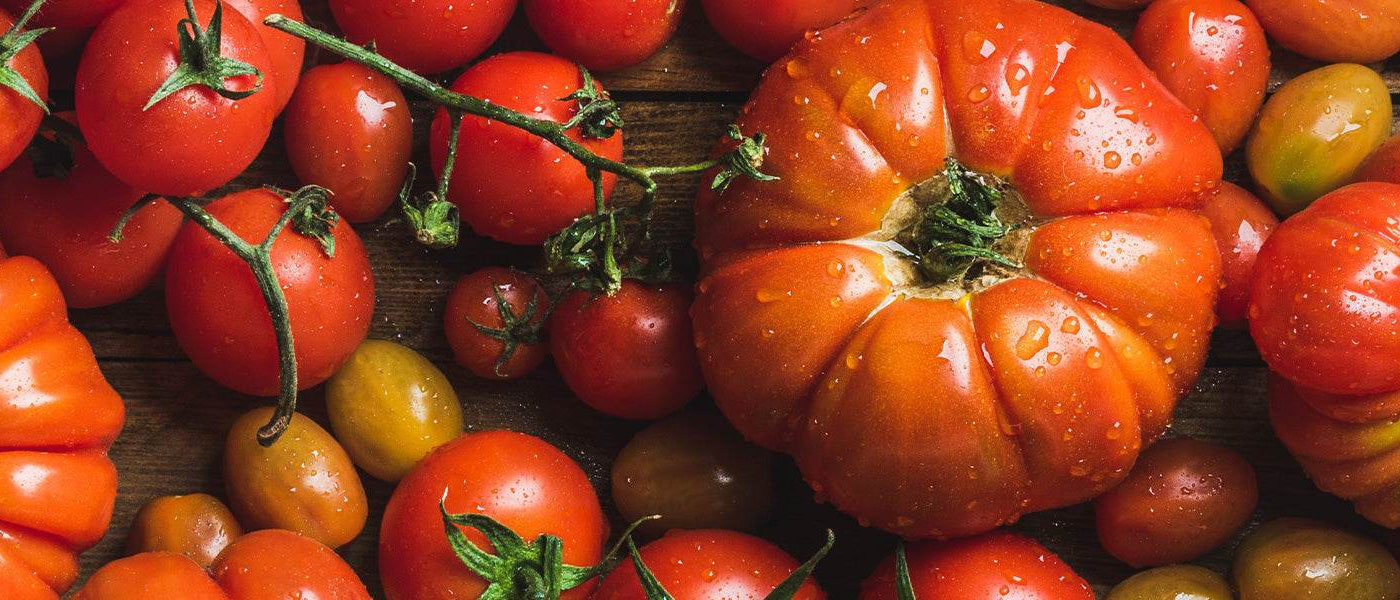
pixel 1314 133
pixel 390 407
pixel 1176 582
pixel 1300 559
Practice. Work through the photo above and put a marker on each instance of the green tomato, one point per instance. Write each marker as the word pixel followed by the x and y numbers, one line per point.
pixel 1176 582
pixel 390 407
pixel 1314 133
pixel 1300 559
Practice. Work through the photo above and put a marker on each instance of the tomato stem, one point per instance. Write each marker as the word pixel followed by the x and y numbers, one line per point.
pixel 11 44
pixel 952 237
pixel 904 585
pixel 201 62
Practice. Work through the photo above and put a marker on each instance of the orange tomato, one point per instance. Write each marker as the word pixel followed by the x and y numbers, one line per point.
pixel 1241 222
pixel 197 526
pixel 1359 31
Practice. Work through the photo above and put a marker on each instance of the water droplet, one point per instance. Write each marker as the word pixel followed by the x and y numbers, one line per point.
pixel 1033 340
pixel 1112 159
pixel 1093 358
pixel 1017 78
pixel 977 48
pixel 797 69
pixel 978 94
pixel 1089 94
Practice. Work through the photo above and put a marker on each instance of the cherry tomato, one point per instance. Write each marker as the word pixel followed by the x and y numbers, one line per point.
pixel 1297 559
pixel 151 575
pixel 304 482
pixel 708 564
pixel 66 14
pixel 221 320
pixel 348 130
pixel 1383 164
pixel 993 566
pixel 1183 499
pixel 1213 56
pixel 510 185
pixel 390 407
pixel 1241 223
pixel 20 116
pixel 279 565
pixel 1120 4
pixel 604 35
pixel 1177 582
pixel 193 140
pixel 766 30
pixel 1356 31
pixel 1314 133
pixel 286 51
pixel 428 36
pixel 197 526
pixel 696 472
pixel 630 355
pixel 494 319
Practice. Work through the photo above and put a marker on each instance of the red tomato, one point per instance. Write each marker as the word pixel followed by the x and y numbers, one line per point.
pixel 428 36
pixel 1383 164
pixel 1213 56
pixel 1355 31
pixel 510 185
pixel 475 302
pixel 221 320
pixel 630 355
pixel 708 564
pixel 519 480
pixel 766 30
pixel 151 575
pixel 66 14
pixel 192 141
pixel 348 130
pixel 604 35
pixel 287 52
pixel 995 566
pixel 64 222
pixel 20 116
pixel 1241 222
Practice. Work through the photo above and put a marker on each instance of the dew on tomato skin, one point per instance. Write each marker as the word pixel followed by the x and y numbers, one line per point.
pixel 1034 339
pixel 1017 78
pixel 977 48
pixel 978 94
pixel 797 69
pixel 1112 159
pixel 1093 358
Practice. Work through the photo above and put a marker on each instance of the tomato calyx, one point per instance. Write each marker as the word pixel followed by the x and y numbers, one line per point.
pixel 904 584
pixel 785 590
pixel 11 44
pixel 961 236
pixel 598 116
pixel 51 152
pixel 201 62
pixel 515 330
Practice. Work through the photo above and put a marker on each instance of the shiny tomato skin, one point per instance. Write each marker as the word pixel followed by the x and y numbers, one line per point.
pixel 630 355
pixel 287 52
pixel 1241 222
pixel 510 185
pixel 220 318
pixel 767 30
pixel 1299 559
pixel 994 566
pixel 604 35
pixel 473 302
pixel 197 525
pixel 66 14
pixel 708 564
pixel 1354 31
pixel 151 575
pixel 427 36
pixel 1383 164
pixel 20 116
pixel 1176 582
pixel 1213 56
pixel 517 479
pixel 276 564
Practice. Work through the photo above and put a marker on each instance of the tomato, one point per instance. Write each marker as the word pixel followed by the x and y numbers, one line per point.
pixel 510 185
pixel 1055 362
pixel 428 36
pixel 151 575
pixel 604 35
pixel 1183 499
pixel 197 526
pixel 287 52
pixel 708 564
pixel 1383 164
pixel 1120 4
pixel 58 416
pixel 193 140
pixel 511 306
pixel 64 220
pixel 1213 56
pixel 348 130
pixel 630 355
pixel 1314 133
pixel 304 482
pixel 1177 582
pixel 391 407
pixel 996 566
pixel 696 472
pixel 519 480
pixel 220 318
pixel 66 14
pixel 20 116
pixel 1358 31
pixel 767 30
pixel 1292 559
pixel 1241 223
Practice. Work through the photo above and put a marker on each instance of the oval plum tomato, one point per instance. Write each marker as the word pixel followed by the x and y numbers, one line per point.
pixel 348 130
pixel 19 115
pixel 1183 499
pixel 510 185
pixel 604 35
pixel 287 52
pixel 197 526
pixel 151 575
pixel 708 564
pixel 220 318
pixel 766 30
pixel 1176 582
pixel 63 218
pixel 193 140
pixel 519 480
pixel 66 14
pixel 427 36
pixel 994 566
pixel 1241 222
pixel 1298 559
pixel 304 483
pixel 1355 31
pixel 1213 56
pixel 494 321
pixel 1315 131
pixel 1383 164
pixel 630 355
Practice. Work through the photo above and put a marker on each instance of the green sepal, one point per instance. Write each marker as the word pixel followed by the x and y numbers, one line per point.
pixel 951 238
pixel 517 569
pixel 515 330
pixel 11 44
pixel 201 62
pixel 904 585
pixel 316 219
pixel 436 222
pixel 653 588
pixel 745 160
pixel 597 115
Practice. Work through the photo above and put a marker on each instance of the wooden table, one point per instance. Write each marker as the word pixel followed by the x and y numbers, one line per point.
pixel 676 105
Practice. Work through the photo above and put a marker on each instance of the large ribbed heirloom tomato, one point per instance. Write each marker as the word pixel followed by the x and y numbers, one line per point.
pixel 945 345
